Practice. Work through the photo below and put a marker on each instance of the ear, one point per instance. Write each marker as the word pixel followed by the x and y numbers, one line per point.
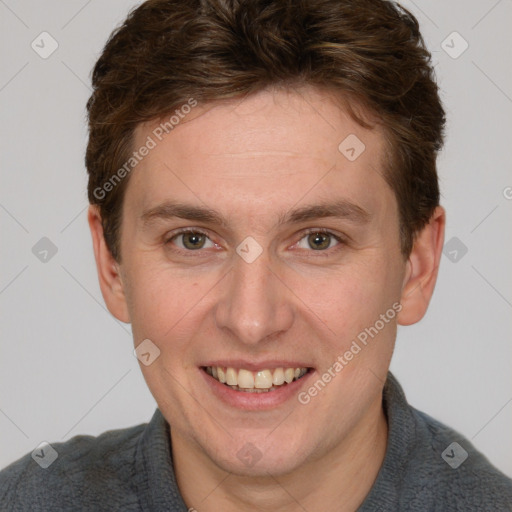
pixel 111 284
pixel 421 269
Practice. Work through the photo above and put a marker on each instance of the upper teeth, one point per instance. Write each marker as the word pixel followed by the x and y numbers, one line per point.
pixel 262 379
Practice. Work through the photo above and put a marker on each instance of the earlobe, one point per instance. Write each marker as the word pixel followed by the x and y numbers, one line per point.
pixel 422 269
pixel 111 283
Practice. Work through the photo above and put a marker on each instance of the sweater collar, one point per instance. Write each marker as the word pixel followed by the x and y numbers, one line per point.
pixel 154 470
pixel 383 495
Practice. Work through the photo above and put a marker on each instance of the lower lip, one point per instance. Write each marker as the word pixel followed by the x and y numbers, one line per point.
pixel 255 401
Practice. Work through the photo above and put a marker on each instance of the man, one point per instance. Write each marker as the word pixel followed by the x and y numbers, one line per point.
pixel 265 212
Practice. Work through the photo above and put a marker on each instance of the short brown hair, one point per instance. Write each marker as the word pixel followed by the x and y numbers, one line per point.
pixel 168 51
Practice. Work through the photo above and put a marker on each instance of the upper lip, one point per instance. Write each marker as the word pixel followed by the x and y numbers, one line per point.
pixel 256 366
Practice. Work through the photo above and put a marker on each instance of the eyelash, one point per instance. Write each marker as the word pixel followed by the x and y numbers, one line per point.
pixel 326 252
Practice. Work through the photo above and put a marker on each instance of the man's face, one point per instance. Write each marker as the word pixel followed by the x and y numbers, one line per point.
pixel 264 289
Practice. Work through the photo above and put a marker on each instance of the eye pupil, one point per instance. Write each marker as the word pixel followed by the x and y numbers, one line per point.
pixel 319 241
pixel 193 240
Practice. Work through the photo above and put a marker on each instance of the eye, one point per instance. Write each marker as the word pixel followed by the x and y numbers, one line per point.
pixel 191 240
pixel 319 240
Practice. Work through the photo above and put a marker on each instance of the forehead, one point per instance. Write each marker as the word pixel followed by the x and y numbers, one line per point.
pixel 272 146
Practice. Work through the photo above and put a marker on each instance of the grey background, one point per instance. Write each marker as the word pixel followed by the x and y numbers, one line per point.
pixel 66 365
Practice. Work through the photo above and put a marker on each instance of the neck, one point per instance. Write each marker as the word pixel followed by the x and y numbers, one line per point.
pixel 338 480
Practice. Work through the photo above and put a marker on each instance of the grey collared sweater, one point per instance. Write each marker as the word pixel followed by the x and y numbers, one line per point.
pixel 427 467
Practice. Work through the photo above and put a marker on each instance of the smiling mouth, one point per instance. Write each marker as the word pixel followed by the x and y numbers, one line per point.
pixel 261 381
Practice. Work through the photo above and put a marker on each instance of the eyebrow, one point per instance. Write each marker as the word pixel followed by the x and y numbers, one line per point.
pixel 340 209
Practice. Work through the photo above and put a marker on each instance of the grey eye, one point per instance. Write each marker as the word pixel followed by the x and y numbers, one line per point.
pixel 319 241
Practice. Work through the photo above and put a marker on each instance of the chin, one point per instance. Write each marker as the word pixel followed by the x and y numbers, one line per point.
pixel 258 455
pixel 255 467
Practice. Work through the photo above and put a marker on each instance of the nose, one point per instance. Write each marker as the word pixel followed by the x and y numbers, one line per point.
pixel 255 305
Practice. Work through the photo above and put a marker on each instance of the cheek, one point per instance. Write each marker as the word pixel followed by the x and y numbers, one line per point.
pixel 160 300
pixel 355 297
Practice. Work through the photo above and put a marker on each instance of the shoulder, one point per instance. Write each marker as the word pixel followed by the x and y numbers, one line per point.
pixel 430 466
pixel 445 464
pixel 83 471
